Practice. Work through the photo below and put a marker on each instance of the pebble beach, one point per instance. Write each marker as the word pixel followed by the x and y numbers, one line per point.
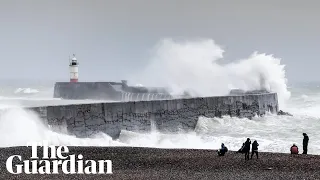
pixel 153 163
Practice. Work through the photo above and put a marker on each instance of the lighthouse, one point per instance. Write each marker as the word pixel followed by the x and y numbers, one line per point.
pixel 73 66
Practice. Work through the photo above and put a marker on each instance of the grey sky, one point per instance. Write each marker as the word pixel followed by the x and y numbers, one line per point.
pixel 112 38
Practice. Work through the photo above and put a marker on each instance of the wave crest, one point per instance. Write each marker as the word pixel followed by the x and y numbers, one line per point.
pixel 198 67
pixel 26 91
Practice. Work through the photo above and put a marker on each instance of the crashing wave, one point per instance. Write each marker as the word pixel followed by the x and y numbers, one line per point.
pixel 26 91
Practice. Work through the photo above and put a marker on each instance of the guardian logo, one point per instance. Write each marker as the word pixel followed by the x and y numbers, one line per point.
pixel 50 165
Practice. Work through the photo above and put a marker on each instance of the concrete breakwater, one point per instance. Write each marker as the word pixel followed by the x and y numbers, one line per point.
pixel 84 120
pixel 114 91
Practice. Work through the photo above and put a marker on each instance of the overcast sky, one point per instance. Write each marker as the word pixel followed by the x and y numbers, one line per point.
pixel 112 38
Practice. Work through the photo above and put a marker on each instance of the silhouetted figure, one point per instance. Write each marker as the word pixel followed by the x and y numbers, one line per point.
pixel 294 149
pixel 255 149
pixel 241 149
pixel 246 148
pixel 222 150
pixel 305 143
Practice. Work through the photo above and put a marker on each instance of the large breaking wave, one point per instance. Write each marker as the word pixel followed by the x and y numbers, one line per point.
pixel 197 67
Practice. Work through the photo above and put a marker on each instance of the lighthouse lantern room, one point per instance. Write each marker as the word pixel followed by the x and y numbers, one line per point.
pixel 73 69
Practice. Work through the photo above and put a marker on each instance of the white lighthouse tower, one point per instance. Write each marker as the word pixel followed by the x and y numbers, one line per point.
pixel 73 69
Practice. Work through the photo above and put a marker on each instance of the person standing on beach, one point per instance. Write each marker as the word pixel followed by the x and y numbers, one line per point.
pixel 246 149
pixel 255 148
pixel 305 143
pixel 241 149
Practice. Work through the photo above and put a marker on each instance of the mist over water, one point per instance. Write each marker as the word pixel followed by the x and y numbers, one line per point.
pixel 198 67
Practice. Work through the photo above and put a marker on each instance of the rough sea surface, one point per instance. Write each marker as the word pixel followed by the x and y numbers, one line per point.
pixel 274 133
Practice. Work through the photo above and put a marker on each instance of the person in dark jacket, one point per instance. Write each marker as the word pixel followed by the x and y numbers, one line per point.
pixel 241 149
pixel 305 143
pixel 246 148
pixel 255 148
pixel 222 150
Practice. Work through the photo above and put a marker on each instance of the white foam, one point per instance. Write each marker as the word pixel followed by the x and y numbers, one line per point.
pixel 274 133
pixel 26 91
pixel 18 127
pixel 198 66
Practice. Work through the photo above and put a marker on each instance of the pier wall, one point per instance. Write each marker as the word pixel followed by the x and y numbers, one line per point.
pixel 114 91
pixel 84 120
pixel 85 90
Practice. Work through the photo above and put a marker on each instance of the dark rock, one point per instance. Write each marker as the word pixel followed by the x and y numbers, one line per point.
pixel 282 113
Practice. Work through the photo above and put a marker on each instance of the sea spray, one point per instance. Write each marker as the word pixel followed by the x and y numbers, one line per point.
pixel 274 133
pixel 197 66
pixel 19 126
